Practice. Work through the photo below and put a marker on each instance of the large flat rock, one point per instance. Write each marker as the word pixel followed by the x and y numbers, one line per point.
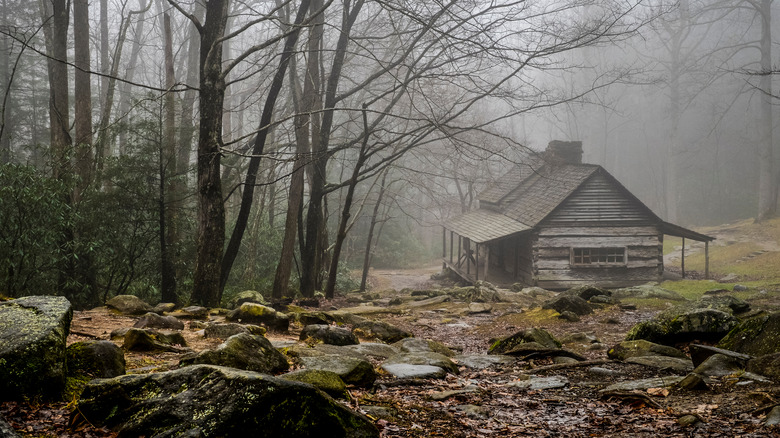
pixel 32 346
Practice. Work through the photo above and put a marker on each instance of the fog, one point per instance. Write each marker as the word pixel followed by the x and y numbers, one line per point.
pixel 386 119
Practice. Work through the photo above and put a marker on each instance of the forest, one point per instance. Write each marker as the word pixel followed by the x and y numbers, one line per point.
pixel 183 150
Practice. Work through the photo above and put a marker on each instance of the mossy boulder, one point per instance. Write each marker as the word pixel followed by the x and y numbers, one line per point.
pixel 153 320
pixel 245 352
pixel 327 381
pixel 247 296
pixel 380 330
pixel 533 335
pixel 423 358
pixel 128 305
pixel 568 303
pixel 153 340
pixel 672 327
pixel 33 331
pixel 756 336
pixel 97 359
pixel 328 334
pixel 252 313
pixel 414 345
pixel 212 401
pixel 641 347
pixel 351 370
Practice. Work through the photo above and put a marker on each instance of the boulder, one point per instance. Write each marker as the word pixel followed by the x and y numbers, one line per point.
pixel 326 381
pixel 675 364
pixel 757 336
pixel 408 371
pixel 97 359
pixel 247 296
pixel 226 330
pixel 423 358
pixel 380 330
pixel 353 371
pixel 328 334
pixel 539 336
pixel 374 349
pixel 767 365
pixel 128 305
pixel 673 327
pixel 32 346
pixel 414 345
pixel 641 347
pixel 647 291
pixel 251 313
pixel 152 340
pixel 245 352
pixel 207 400
pixel 153 320
pixel 568 303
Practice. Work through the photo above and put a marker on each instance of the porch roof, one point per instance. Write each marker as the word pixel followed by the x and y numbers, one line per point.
pixel 482 225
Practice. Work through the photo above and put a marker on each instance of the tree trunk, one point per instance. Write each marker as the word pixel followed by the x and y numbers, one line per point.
pixel 330 288
pixel 315 219
pixel 168 172
pixel 370 237
pixel 83 97
pixel 211 211
pixel 254 163
pixel 768 183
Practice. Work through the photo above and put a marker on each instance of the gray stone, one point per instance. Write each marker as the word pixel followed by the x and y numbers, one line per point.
pixel 252 313
pixel 408 371
pixel 152 340
pixel 380 330
pixel 675 364
pixel 128 305
pixel 647 291
pixel 353 371
pixel 533 335
pixel 153 320
pixel 641 347
pixel 571 303
pixel 206 400
pixel 773 417
pixel 482 361
pixel 756 336
pixel 327 381
pixel 161 308
pixel 694 382
pixel 374 350
pixel 719 365
pixel 642 384
pixel 424 358
pixel 32 346
pixel 97 359
pixel 541 383
pixel 413 345
pixel 683 325
pixel 245 352
pixel 247 296
pixel 328 334
pixel 223 331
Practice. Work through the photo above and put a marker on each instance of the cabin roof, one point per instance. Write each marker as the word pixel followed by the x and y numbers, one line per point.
pixel 522 198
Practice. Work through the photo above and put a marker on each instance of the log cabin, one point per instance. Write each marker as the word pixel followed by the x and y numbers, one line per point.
pixel 557 223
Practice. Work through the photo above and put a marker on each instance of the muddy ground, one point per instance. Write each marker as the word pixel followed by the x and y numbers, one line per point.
pixel 491 404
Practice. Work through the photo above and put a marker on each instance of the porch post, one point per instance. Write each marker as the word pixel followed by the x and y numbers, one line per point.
pixel 476 261
pixel 683 257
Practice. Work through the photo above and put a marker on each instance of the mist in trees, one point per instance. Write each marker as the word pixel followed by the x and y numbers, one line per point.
pixel 184 150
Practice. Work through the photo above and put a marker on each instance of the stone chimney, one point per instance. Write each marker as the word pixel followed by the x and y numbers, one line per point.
pixel 564 152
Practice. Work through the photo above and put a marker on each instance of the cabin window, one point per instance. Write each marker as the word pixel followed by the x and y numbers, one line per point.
pixel 598 256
